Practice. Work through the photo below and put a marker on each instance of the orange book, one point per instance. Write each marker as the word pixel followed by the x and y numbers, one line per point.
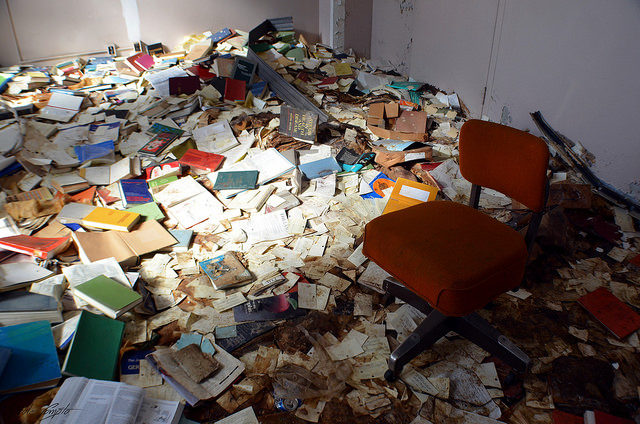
pixel 409 193
pixel 40 247
pixel 111 219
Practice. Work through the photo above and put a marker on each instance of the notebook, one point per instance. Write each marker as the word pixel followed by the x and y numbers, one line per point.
pixel 33 363
pixel 107 295
pixel 18 307
pixel 95 347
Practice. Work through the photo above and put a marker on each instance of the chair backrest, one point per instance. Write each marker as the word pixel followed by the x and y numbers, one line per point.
pixel 505 159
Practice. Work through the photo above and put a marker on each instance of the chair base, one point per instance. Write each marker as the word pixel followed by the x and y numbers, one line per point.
pixel 472 327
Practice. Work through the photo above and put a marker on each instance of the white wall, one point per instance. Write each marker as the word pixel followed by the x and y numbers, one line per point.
pixel 66 27
pixel 576 61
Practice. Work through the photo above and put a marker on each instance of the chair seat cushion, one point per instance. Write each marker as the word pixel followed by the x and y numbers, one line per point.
pixel 455 257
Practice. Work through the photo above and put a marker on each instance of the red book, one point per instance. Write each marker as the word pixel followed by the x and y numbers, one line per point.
pixel 183 85
pixel 635 260
pixel 201 72
pixel 599 417
pixel 40 247
pixel 131 63
pixel 560 417
pixel 235 90
pixel 85 196
pixel 201 160
pixel 618 317
pixel 144 61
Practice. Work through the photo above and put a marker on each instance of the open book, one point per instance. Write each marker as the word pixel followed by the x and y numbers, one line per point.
pixel 81 400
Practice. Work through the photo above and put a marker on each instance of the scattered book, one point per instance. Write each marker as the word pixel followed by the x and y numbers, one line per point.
pixel 74 213
pixel 107 295
pixel 69 183
pixel 244 334
pixel 201 160
pixel 561 417
pixel 103 152
pixel 243 69
pixel 111 219
pixel 18 307
pixel 61 107
pixel 299 124
pixel 320 168
pixel 95 347
pixel 615 315
pixel 39 247
pixel 183 85
pixel 235 180
pixel 184 240
pixel 148 211
pixel 163 137
pixel 125 247
pixel 408 193
pixel 118 402
pixel 283 306
pixel 105 175
pixel 235 90
pixel 226 271
pixel 33 363
pixel 134 192
pixel 17 275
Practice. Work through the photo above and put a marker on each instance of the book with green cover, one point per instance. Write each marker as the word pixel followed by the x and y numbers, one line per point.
pixel 148 211
pixel 236 180
pixel 160 181
pixel 108 295
pixel 94 350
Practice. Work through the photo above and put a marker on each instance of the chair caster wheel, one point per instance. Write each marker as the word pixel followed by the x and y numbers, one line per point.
pixel 390 376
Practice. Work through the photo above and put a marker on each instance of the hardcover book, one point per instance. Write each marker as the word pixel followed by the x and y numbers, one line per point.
pixel 236 180
pixel 164 136
pixel 299 124
pixel 134 192
pixel 201 160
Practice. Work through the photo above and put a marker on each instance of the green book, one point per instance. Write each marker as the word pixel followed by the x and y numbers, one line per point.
pixel 108 295
pixel 236 180
pixel 148 211
pixel 160 181
pixel 94 349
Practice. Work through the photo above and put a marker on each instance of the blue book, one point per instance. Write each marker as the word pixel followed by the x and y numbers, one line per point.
pixel 378 184
pixel 18 307
pixel 86 152
pixel 134 192
pixel 320 168
pixel 184 239
pixel 34 361
pixel 221 35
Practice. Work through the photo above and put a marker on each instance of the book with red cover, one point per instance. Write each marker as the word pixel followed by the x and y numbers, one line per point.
pixel 144 61
pixel 131 63
pixel 201 160
pixel 201 72
pixel 599 417
pixel 40 247
pixel 235 90
pixel 615 315
pixel 560 417
pixel 183 85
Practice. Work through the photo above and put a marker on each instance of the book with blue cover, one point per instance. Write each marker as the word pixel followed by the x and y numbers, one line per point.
pixel 33 363
pixel 134 192
pixel 320 168
pixel 87 152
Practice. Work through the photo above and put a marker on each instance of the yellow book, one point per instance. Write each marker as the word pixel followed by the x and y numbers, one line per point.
pixel 342 69
pixel 111 219
pixel 409 193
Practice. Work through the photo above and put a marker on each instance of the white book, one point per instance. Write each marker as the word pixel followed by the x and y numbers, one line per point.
pixel 61 107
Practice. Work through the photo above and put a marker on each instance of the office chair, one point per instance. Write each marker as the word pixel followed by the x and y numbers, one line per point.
pixel 448 260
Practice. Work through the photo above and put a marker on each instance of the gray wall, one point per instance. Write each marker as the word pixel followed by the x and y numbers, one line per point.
pixel 577 61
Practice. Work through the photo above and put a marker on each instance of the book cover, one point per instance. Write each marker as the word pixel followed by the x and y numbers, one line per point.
pixel 87 152
pixel 599 417
pixel 201 72
pixel 109 194
pixel 160 181
pixel 235 90
pixel 201 160
pixel 183 85
pixel 283 306
pixel 39 247
pixel 34 360
pixel 299 124
pixel 23 301
pixel 163 137
pixel 408 193
pixel 144 61
pixel 134 192
pixel 95 347
pixel 184 238
pixel 148 211
pixel 243 69
pixel 615 315
pixel 244 334
pixel 226 271
pixel 108 295
pixel 560 417
pixel 111 219
pixel 236 180
pixel 222 35
pixel 320 168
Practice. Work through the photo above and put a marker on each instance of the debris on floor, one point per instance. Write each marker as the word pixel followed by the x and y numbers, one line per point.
pixel 182 242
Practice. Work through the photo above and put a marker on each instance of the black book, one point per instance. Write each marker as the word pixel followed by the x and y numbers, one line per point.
pixel 299 124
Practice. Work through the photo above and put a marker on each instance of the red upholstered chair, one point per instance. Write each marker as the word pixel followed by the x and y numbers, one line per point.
pixel 449 260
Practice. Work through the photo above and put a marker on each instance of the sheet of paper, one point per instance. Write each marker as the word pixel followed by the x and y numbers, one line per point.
pixel 317 249
pixel 373 277
pixel 362 305
pixel 245 416
pixel 357 257
pixel 349 347
pixel 307 296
